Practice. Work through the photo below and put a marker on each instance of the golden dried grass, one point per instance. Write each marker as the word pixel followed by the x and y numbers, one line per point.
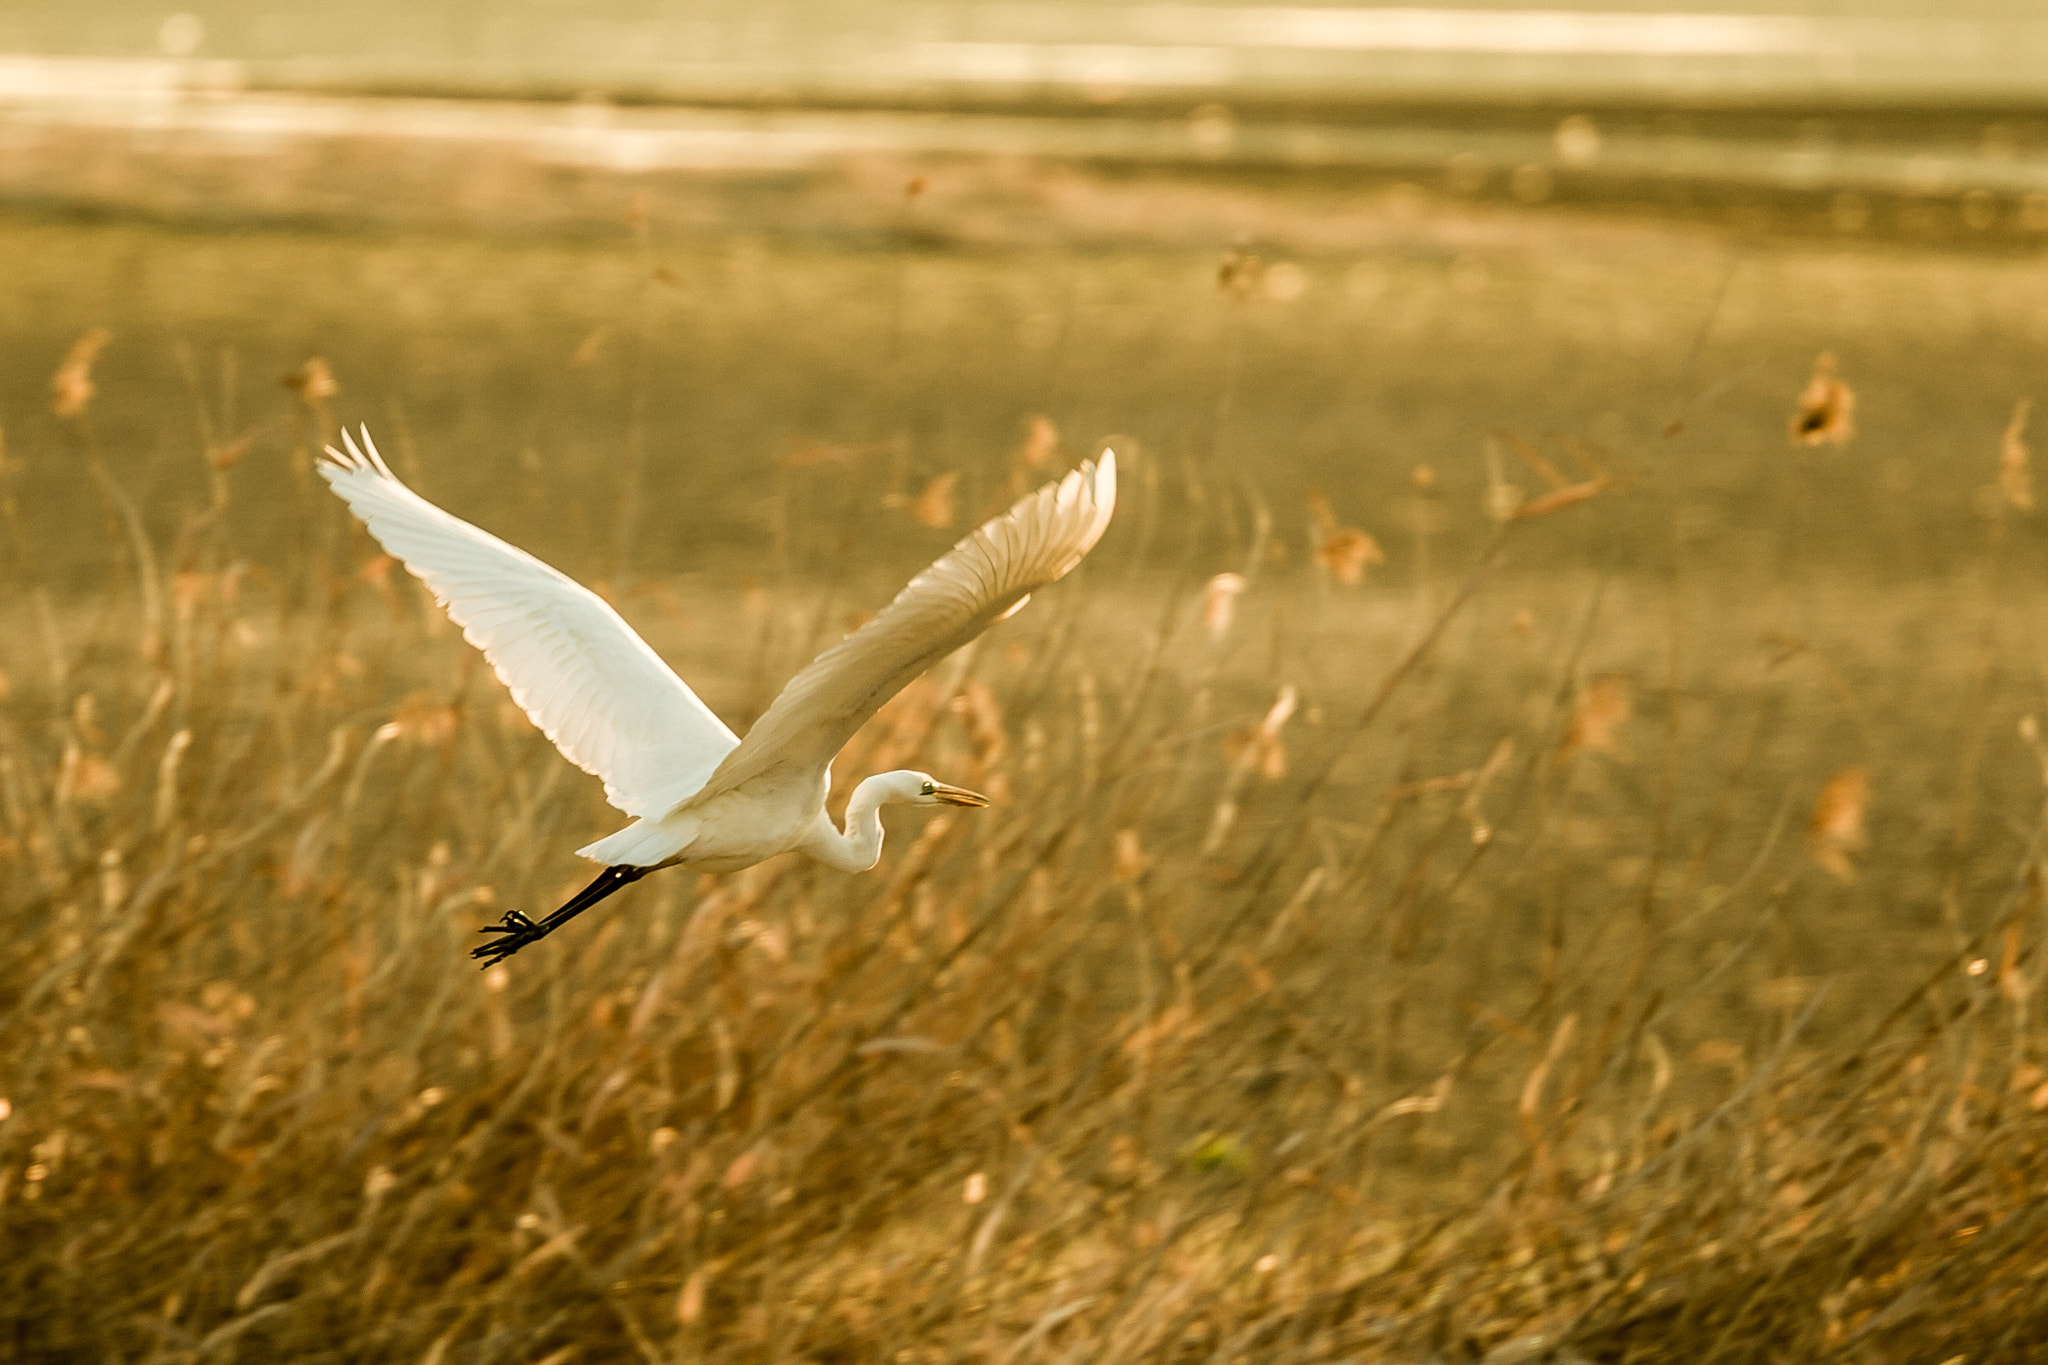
pixel 1061 1079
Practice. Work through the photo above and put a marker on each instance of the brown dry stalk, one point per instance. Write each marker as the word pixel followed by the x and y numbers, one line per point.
pixel 2015 467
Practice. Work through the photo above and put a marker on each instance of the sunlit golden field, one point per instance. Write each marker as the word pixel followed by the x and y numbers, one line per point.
pixel 1575 894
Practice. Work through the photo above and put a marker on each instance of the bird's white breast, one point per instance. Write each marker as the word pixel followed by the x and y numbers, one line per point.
pixel 747 825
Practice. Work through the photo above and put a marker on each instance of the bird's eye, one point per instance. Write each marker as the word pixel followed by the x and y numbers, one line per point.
pixel 928 789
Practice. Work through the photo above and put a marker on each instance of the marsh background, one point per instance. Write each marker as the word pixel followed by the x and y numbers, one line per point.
pixel 1505 852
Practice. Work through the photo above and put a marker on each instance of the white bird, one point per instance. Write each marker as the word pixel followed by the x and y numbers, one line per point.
pixel 704 798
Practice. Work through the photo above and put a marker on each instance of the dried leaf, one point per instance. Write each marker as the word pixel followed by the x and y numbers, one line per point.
pixel 587 349
pixel 1219 603
pixel 94 780
pixel 1261 747
pixel 1131 860
pixel 72 388
pixel 690 1303
pixel 424 719
pixel 1238 273
pixel 1177 1022
pixel 741 1170
pixel 2013 983
pixel 313 382
pixel 377 571
pixel 1604 705
pixel 85 777
pixel 189 588
pixel 1343 552
pixel 228 455
pixel 936 505
pixel 1827 407
pixel 1041 443
pixel 1837 830
pixel 197 1026
pixel 1255 750
pixel 1503 500
pixel 1280 712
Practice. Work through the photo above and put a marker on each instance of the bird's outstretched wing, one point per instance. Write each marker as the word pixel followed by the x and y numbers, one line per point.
pixel 977 582
pixel 592 686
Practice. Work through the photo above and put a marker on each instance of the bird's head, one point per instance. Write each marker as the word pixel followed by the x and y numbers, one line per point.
pixel 922 789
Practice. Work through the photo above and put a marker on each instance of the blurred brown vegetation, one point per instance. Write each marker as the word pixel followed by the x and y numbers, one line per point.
pixel 1580 933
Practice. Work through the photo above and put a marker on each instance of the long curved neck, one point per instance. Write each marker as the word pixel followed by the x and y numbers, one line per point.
pixel 859 846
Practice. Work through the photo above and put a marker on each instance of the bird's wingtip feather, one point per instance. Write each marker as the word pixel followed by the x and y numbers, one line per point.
pixel 376 460
pixel 354 457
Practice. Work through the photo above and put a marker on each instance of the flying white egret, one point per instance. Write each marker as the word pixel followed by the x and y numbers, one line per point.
pixel 704 798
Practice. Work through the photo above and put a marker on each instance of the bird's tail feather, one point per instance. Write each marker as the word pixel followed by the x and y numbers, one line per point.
pixel 643 843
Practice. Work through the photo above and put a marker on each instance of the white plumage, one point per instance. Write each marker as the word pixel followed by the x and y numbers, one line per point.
pixel 705 798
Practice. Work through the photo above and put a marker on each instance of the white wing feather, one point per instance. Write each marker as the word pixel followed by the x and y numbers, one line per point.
pixel 977 582
pixel 575 667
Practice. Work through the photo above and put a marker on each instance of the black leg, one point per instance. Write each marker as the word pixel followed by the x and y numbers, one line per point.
pixel 515 931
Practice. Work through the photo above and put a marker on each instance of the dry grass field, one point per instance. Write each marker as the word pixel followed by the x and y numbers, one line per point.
pixel 1575 894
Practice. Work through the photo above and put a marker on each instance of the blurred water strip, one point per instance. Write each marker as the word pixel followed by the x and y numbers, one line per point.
pixel 208 107
pixel 1091 55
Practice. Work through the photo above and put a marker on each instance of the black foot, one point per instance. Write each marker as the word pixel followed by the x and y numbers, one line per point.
pixel 516 931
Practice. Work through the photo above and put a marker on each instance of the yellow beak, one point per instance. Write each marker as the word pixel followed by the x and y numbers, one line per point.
pixel 957 796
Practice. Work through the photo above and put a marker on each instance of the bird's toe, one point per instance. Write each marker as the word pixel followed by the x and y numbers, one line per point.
pixel 514 923
pixel 497 950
